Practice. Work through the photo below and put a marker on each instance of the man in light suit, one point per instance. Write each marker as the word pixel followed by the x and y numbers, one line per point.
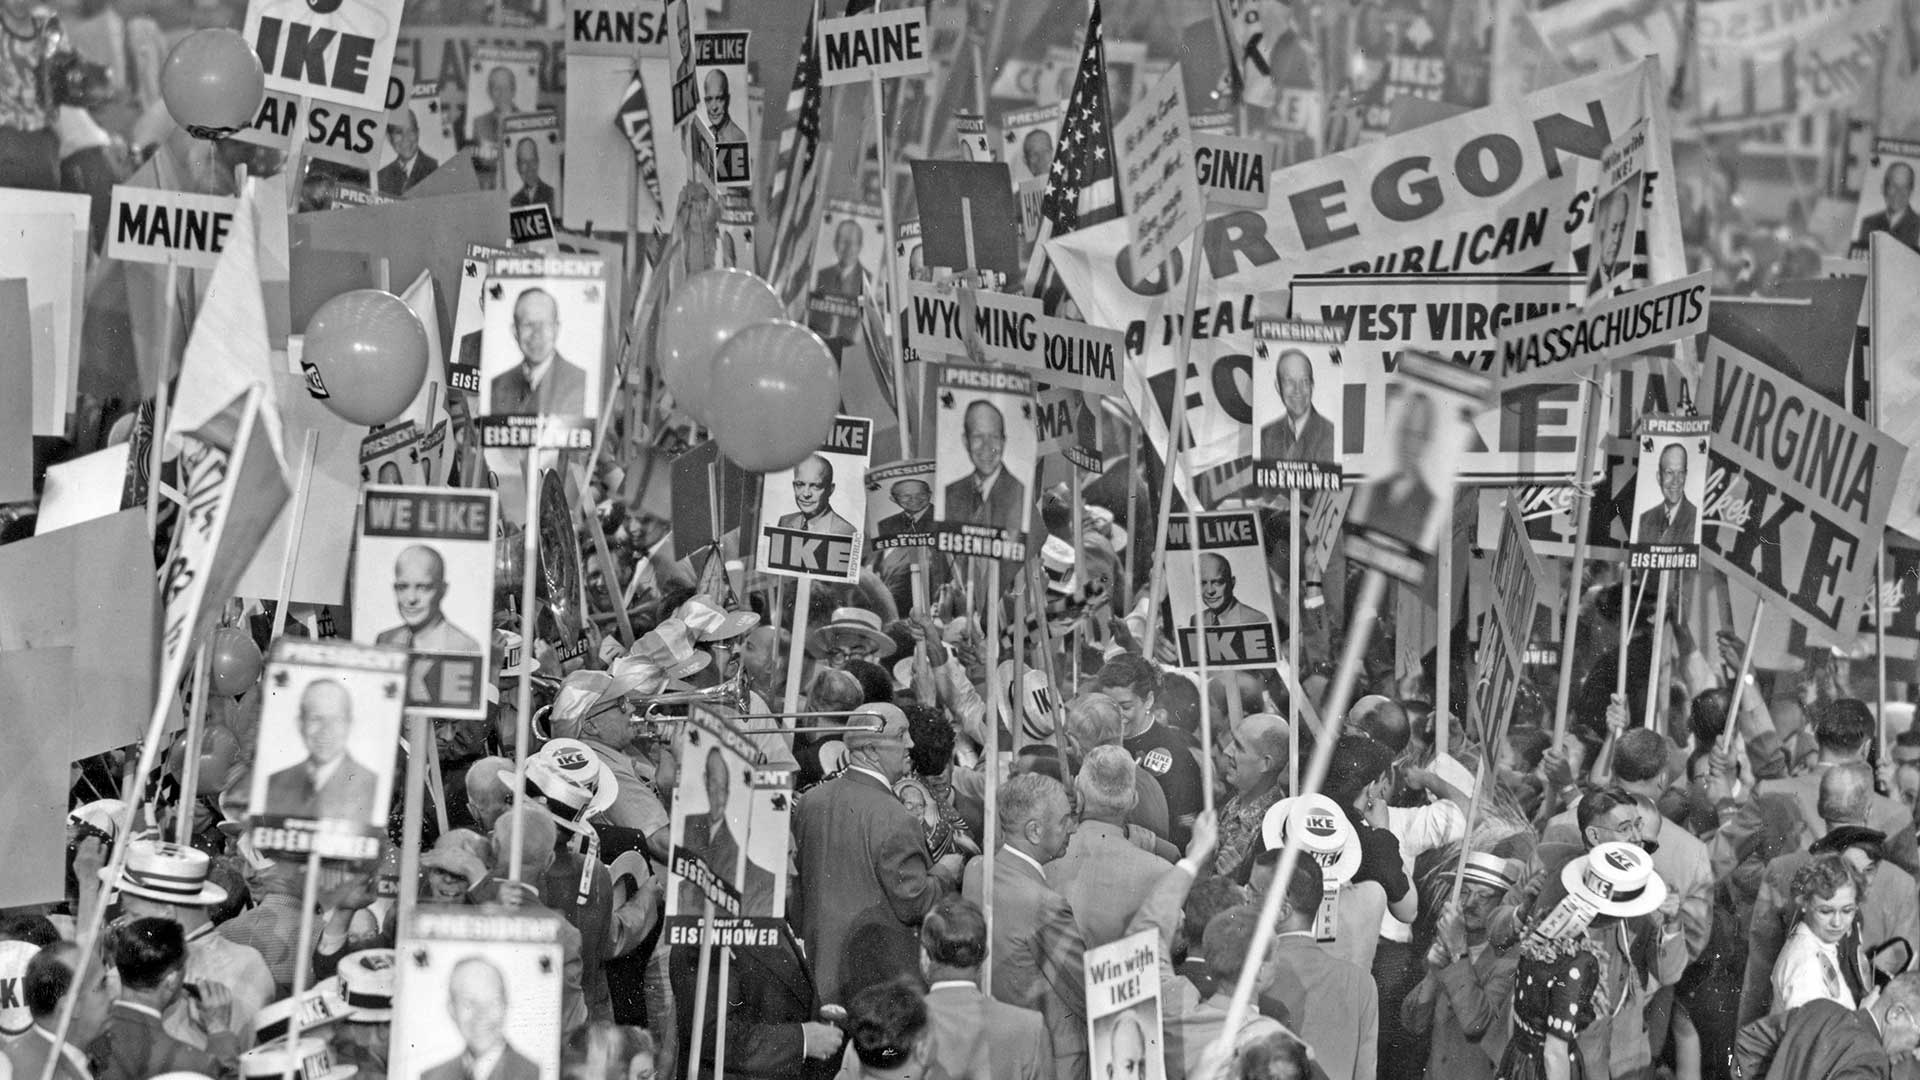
pixel 990 496
pixel 1671 521
pixel 1104 876
pixel 974 1037
pixel 543 383
pixel 409 166
pixel 1328 1000
pixel 419 588
pixel 1218 607
pixel 1896 218
pixel 1399 503
pixel 330 784
pixel 915 500
pixel 1039 954
pixel 477 1001
pixel 857 846
pixel 1463 1001
pixel 1302 434
pixel 812 499
pixel 708 836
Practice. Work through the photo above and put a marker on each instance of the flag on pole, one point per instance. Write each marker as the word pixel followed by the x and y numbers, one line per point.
pixel 794 198
pixel 1081 187
pixel 228 350
pixel 636 123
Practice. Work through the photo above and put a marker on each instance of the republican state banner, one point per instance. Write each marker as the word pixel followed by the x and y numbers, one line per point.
pixel 1496 190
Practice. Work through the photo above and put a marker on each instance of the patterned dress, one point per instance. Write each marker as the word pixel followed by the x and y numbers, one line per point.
pixel 1552 995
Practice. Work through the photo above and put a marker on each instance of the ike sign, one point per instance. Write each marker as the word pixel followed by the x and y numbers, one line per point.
pixel 338 51
pixel 884 43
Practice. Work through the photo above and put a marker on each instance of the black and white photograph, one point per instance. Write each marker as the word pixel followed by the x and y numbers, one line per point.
pixel 1617 214
pixel 1228 606
pixel 1298 390
pixel 813 515
pixel 542 346
pixel 423 582
pixel 502 81
pixel 530 147
pixel 985 442
pixel 419 139
pixel 1886 196
pixel 847 259
pixel 1028 139
pixel 900 505
pixel 1670 486
pixel 1124 1037
pixel 324 765
pixel 478 995
pixel 715 822
pixel 720 73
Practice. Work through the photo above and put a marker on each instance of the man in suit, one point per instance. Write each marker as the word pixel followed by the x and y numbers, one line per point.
pixel 716 99
pixel 1327 999
pixel 409 166
pixel 974 1037
pixel 151 957
pixel 533 190
pixel 772 1026
pixel 915 500
pixel 812 495
pixel 1217 604
pixel 502 88
pixel 990 496
pixel 44 989
pixel 419 588
pixel 1399 503
pixel 1897 217
pixel 1302 434
pixel 477 1002
pixel 1825 1040
pixel 543 383
pixel 1671 521
pixel 1039 954
pixel 709 837
pixel 330 785
pixel 856 846
pixel 1104 876
pixel 1462 1002
pixel 846 277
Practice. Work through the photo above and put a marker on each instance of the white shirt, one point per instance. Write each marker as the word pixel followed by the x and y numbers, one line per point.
pixel 1030 860
pixel 1808 969
pixel 1420 829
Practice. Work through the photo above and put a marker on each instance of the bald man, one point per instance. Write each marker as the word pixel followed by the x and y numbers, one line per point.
pixel 1672 521
pixel 477 1003
pixel 542 383
pixel 1302 434
pixel 989 495
pixel 329 785
pixel 812 495
pixel 1217 604
pixel 409 165
pixel 1127 1049
pixel 419 588
pixel 716 100
pixel 915 500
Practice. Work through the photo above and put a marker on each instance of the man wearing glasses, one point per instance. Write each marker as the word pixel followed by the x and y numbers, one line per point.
pixel 989 496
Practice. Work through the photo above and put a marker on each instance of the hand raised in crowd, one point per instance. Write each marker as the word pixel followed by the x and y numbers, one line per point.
pixel 1450 935
pixel 89 858
pixel 1617 718
pixel 212 1006
pixel 1732 650
pixel 820 1041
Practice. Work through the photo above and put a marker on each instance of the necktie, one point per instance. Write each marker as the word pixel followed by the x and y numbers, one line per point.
pixel 1831 975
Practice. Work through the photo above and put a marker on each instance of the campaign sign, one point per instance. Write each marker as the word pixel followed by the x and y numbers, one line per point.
pixel 497 973
pixel 392 455
pixel 1611 258
pixel 884 43
pixel 530 224
pixel 729 832
pixel 1005 329
pixel 542 354
pixel 1672 484
pixel 1298 384
pixel 900 505
pixel 618 28
pixel 812 516
pixel 1123 1008
pixel 153 226
pixel 423 581
pixel 1154 142
pixel 323 770
pixel 1569 342
pixel 341 51
pixel 463 363
pixel 984 464
pixel 1233 172
pixel 327 131
pixel 1229 608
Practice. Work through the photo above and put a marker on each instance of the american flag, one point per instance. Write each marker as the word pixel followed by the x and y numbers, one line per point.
pixel 1081 187
pixel 636 123
pixel 797 180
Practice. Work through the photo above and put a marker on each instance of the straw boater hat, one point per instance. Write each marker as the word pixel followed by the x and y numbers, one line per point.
pixel 15 1019
pixel 311 1060
pixel 567 783
pixel 1615 879
pixel 1324 832
pixel 670 647
pixel 851 624
pixel 710 623
pixel 1037 704
pixel 1491 870
pixel 320 1007
pixel 166 872
pixel 366 985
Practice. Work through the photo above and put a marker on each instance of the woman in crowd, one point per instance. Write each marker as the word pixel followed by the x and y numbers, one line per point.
pixel 1826 892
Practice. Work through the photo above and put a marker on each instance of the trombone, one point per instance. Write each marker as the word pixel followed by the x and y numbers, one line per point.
pixel 734 697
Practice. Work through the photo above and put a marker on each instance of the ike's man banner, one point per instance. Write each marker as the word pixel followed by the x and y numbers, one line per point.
pixel 340 51
pixel 1501 189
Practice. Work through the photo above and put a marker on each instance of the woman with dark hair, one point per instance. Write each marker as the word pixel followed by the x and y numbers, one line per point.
pixel 1826 893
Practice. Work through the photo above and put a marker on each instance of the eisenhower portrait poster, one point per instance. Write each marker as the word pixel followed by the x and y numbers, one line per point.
pixel 1297 392
pixel 983 473
pixel 1228 605
pixel 478 982
pixel 423 581
pixel 813 515
pixel 729 831
pixel 1668 491
pixel 542 348
pixel 323 769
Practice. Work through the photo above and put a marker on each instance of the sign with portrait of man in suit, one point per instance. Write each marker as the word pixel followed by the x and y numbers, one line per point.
pixel 1668 492
pixel 900 505
pixel 729 831
pixel 542 343
pixel 477 995
pixel 1227 604
pixel 323 769
pixel 985 439
pixel 1297 389
pixel 813 515
pixel 423 581
pixel 1123 1010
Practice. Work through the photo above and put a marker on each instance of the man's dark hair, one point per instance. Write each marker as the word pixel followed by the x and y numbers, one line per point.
pixel 145 951
pixel 1598 804
pixel 33 929
pixel 1209 897
pixel 1386 723
pixel 954 934
pixel 49 976
pixel 1708 715
pixel 876 685
pixel 884 1022
pixel 1530 745
pixel 1042 758
pixel 1842 725
pixel 932 749
pixel 1639 756
pixel 1136 673
pixel 1306 887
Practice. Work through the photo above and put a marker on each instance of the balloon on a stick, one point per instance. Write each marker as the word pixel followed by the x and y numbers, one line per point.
pixel 371 352
pixel 776 391
pixel 212 83
pixel 702 315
